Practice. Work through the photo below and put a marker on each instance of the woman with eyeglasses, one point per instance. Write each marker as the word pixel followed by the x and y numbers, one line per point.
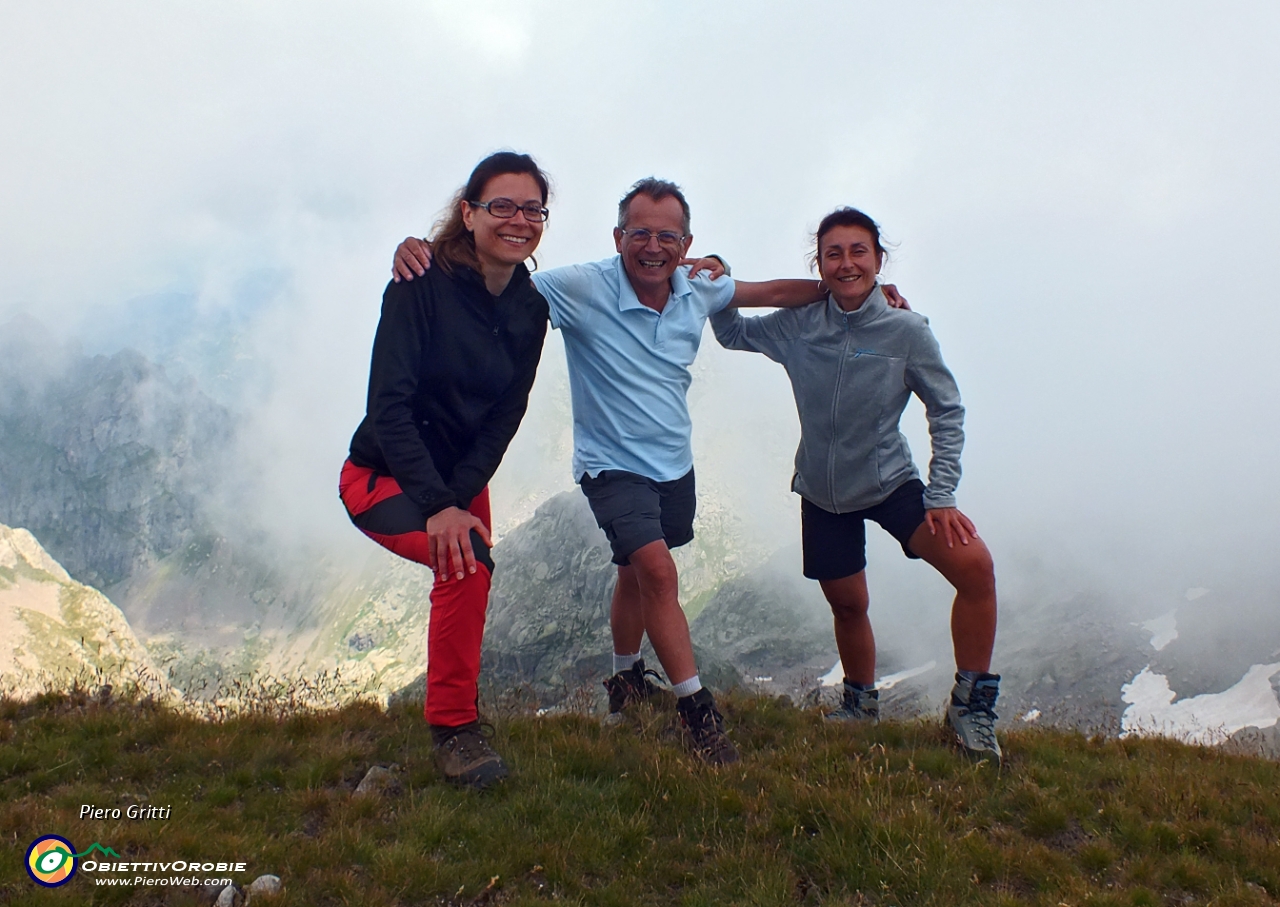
pixel 454 359
pixel 854 361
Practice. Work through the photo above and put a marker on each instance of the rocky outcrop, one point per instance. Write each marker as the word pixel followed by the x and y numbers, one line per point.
pixel 1065 660
pixel 56 632
pixel 548 620
pixel 1255 741
pixel 768 623
pixel 103 458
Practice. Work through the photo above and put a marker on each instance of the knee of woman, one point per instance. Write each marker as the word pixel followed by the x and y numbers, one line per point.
pixel 979 576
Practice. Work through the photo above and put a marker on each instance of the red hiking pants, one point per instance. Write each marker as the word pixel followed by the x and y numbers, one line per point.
pixel 383 512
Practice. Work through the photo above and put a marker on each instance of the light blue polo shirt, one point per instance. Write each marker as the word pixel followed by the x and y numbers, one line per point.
pixel 629 365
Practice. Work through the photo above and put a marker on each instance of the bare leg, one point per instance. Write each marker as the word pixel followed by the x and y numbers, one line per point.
pixel 664 620
pixel 626 615
pixel 973 614
pixel 855 640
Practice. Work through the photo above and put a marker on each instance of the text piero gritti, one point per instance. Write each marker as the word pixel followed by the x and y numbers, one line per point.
pixel 134 811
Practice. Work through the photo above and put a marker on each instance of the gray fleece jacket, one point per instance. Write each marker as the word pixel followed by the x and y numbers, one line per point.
pixel 852 374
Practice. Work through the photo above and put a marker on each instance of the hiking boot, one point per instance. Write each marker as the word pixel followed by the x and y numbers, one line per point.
pixel 466 759
pixel 627 687
pixel 971 715
pixel 858 705
pixel 704 729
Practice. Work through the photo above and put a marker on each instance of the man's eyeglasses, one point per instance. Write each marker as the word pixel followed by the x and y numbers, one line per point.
pixel 505 207
pixel 641 237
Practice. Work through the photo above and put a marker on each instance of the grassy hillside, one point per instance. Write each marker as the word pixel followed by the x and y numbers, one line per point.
pixel 813 815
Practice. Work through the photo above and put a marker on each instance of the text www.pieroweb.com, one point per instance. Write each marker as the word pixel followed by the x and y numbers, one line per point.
pixel 170 875
pixel 170 881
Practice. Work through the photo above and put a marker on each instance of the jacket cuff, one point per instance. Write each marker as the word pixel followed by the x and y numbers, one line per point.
pixel 463 498
pixel 936 501
pixel 434 506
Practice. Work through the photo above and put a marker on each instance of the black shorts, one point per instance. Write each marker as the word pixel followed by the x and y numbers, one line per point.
pixel 835 544
pixel 634 511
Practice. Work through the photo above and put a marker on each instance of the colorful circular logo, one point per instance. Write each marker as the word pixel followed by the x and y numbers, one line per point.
pixel 51 861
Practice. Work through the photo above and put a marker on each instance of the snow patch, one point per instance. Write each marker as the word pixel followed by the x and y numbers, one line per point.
pixel 1206 719
pixel 1196 592
pixel 1163 629
pixel 886 683
pixel 835 676
pixel 1031 716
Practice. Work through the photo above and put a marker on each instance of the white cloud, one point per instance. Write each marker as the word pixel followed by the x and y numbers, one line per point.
pixel 1084 196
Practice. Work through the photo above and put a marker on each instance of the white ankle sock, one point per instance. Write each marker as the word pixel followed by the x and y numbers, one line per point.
pixel 687 687
pixel 624 662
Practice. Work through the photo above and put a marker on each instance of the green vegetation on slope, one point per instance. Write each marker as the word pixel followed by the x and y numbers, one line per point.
pixel 814 814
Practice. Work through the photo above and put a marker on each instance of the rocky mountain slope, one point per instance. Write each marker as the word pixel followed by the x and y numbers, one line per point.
pixel 55 632
pixel 216 610
pixel 104 458
pixel 119 470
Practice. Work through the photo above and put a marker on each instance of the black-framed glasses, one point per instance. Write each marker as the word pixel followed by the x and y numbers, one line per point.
pixel 534 212
pixel 641 236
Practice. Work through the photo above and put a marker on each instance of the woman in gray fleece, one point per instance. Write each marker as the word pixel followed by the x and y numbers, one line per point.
pixel 854 362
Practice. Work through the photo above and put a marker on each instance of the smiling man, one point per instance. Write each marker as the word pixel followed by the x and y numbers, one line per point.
pixel 632 325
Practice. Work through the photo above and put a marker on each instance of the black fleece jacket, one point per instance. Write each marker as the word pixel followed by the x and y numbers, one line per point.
pixel 449 384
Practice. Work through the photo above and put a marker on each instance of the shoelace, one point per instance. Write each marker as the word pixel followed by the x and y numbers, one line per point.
pixel 983 699
pixel 984 727
pixel 982 706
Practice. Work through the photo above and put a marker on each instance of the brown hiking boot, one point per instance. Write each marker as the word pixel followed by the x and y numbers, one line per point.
pixel 465 757
pixel 704 729
pixel 627 687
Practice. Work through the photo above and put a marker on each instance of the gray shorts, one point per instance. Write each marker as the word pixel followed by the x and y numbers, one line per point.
pixel 634 511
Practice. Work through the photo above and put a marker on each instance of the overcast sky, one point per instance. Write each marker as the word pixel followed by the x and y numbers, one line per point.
pixel 1084 198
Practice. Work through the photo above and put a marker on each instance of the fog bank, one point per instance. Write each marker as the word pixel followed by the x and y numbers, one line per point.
pixel 1083 200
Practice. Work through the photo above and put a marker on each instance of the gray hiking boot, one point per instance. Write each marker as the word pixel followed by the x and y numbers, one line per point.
pixel 704 729
pixel 465 757
pixel 627 687
pixel 971 714
pixel 857 705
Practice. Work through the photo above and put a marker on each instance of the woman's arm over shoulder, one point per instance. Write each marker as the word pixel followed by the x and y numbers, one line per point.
pixel 785 293
pixel 929 379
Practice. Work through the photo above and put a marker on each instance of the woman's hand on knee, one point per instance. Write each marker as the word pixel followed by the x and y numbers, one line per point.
pixel 449 541
pixel 953 525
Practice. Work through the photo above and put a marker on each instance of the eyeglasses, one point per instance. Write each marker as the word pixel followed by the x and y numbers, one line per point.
pixel 641 237
pixel 534 213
